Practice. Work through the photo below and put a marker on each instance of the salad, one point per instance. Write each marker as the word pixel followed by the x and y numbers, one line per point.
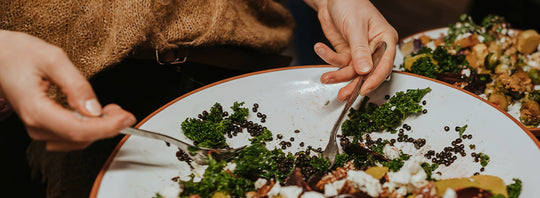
pixel 488 58
pixel 367 167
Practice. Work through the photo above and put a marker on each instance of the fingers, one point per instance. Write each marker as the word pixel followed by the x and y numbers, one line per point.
pixel 79 93
pixel 383 69
pixel 68 127
pixel 331 57
pixel 360 49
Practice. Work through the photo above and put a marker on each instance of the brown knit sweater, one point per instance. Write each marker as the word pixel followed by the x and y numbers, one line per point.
pixel 98 33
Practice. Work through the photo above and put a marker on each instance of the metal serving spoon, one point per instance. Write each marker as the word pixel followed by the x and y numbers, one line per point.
pixel 332 149
pixel 198 154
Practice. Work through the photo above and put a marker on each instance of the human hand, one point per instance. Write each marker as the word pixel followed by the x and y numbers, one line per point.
pixel 28 66
pixel 354 27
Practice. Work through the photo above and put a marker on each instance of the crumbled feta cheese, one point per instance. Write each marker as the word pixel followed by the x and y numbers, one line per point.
pixel 462 36
pixel 466 72
pixel 332 189
pixel 431 45
pixel 274 191
pixel 450 193
pixel 260 183
pixel 230 166
pixel 391 152
pixel 198 171
pixel 410 177
pixel 290 191
pixel 171 191
pixel 312 194
pixel 364 182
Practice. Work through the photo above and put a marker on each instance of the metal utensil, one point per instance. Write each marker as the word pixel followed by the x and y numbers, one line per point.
pixel 198 154
pixel 332 149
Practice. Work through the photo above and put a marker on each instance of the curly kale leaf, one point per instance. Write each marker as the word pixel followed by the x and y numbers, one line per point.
pixel 384 117
pixel 239 113
pixel 448 63
pixel 206 133
pixel 256 161
pixel 424 66
pixel 217 180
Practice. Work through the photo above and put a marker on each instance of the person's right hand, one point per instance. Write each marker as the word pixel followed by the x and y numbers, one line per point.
pixel 28 66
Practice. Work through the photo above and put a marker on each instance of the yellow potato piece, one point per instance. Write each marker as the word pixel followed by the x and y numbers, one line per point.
pixel 491 183
pixel 528 41
pixel 377 172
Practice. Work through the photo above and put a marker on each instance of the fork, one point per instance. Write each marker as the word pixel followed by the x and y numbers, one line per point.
pixel 332 149
pixel 198 154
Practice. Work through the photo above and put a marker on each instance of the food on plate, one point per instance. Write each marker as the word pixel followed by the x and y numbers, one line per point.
pixel 367 167
pixel 488 59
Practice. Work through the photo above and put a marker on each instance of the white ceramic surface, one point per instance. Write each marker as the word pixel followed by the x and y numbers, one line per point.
pixel 295 99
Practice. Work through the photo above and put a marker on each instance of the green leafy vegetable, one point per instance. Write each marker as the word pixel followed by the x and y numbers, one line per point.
pixel 484 159
pixel 396 164
pixel 514 189
pixel 429 170
pixel 217 180
pixel 370 117
pixel 462 130
pixel 256 161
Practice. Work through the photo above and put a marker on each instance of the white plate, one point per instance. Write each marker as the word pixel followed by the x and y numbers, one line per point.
pixel 513 108
pixel 293 98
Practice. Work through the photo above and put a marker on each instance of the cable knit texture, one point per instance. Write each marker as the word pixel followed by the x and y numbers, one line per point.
pixel 97 34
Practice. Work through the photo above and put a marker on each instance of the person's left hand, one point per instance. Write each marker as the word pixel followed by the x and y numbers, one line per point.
pixel 354 27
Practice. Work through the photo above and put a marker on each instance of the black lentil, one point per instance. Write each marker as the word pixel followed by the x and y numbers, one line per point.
pixel 296 131
pixel 292 139
pixel 386 97
pixel 424 111
pixel 301 144
pixel 424 102
pixel 446 128
pixel 279 136
pixel 458 128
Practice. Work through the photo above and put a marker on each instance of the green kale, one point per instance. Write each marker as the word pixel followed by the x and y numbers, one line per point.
pixel 384 117
pixel 472 146
pixel 216 180
pixel 157 196
pixel 484 159
pixel 514 189
pixel 266 135
pixel 429 170
pixel 396 164
pixel 239 113
pixel 210 128
pixel 206 133
pixel 320 163
pixel 255 161
pixel 425 67
pixel 448 63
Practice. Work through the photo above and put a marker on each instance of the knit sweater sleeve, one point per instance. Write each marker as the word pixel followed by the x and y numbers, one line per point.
pixel 97 34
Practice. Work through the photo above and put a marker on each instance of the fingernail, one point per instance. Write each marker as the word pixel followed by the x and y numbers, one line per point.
pixel 319 49
pixel 327 80
pixel 129 122
pixel 93 107
pixel 363 66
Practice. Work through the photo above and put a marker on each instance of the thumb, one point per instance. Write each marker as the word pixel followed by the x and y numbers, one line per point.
pixel 78 90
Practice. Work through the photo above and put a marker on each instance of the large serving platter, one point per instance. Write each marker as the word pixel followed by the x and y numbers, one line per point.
pixel 293 98
pixel 513 108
